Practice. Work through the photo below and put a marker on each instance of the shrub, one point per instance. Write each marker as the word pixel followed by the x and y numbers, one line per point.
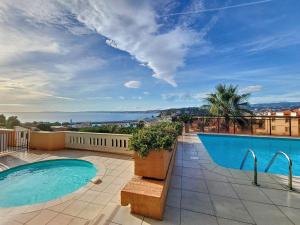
pixel 114 129
pixel 156 137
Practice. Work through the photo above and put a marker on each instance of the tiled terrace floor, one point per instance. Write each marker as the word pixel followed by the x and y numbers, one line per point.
pixel 201 193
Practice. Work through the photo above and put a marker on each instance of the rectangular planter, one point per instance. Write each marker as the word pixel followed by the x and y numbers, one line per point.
pixel 154 165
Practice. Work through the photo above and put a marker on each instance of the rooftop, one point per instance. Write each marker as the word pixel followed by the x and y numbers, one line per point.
pixel 201 192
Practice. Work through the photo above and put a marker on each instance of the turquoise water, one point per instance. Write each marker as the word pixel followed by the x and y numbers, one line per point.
pixel 43 181
pixel 228 151
pixel 80 116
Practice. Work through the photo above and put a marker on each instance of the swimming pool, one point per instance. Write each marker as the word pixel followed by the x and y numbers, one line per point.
pixel 228 151
pixel 43 181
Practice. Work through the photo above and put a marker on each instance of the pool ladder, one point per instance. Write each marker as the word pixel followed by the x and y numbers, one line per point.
pixel 290 184
pixel 290 180
pixel 255 164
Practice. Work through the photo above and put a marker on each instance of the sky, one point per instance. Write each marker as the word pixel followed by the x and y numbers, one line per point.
pixel 89 55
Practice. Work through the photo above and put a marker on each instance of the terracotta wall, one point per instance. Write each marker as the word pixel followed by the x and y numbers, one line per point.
pixel 42 140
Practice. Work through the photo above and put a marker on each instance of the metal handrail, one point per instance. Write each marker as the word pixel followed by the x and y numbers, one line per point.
pixel 290 166
pixel 255 164
pixel 5 166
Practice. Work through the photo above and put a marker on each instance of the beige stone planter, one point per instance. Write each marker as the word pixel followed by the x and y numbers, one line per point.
pixel 154 165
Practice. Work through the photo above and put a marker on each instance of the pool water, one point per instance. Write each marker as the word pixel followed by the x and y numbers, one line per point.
pixel 228 151
pixel 43 181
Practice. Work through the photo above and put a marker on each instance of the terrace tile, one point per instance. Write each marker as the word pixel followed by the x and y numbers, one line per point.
pixel 61 219
pixel 123 216
pixel 176 182
pixel 266 214
pixel 90 211
pixel 194 218
pixel 171 217
pixel 192 172
pixel 292 214
pixel 223 221
pixel 42 218
pixel 194 184
pixel 78 221
pixel 231 209
pixel 283 198
pixel 197 202
pixel 251 193
pixel 221 188
pixel 201 192
pixel 174 197
pixel 75 208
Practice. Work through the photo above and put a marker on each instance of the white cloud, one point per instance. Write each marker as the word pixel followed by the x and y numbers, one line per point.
pixel 251 89
pixel 133 84
pixel 105 98
pixel 14 43
pixel 82 64
pixel 32 86
pixel 146 93
pixel 133 28
pixel 183 96
pixel 128 26
pixel 137 98
pixel 277 40
pixel 282 97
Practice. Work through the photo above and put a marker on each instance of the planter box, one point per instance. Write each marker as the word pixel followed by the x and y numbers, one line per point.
pixel 147 197
pixel 154 165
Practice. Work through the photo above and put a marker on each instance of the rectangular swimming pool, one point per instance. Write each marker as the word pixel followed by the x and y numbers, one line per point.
pixel 229 150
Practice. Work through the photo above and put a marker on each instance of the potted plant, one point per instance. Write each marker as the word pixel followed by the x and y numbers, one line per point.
pixel 186 119
pixel 153 149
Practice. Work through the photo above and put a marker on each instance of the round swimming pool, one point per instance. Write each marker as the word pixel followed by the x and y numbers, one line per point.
pixel 43 181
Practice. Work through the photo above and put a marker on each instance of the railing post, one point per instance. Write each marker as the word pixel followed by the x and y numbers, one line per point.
pixel 233 126
pixel 290 126
pixel 270 122
pixel 218 124
pixel 251 125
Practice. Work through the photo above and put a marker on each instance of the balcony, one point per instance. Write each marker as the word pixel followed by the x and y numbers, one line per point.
pixel 201 192
pixel 250 125
pixel 102 142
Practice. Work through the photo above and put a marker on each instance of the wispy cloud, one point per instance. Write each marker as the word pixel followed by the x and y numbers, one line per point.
pixel 184 96
pixel 251 89
pixel 281 97
pixel 82 64
pixel 31 87
pixel 218 8
pixel 132 84
pixel 274 41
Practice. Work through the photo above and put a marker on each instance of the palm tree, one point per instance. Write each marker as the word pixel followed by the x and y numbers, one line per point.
pixel 228 103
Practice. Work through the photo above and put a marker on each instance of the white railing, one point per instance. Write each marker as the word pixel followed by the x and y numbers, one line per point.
pixel 111 143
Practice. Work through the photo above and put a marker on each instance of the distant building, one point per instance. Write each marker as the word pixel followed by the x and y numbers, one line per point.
pixel 82 125
pixel 284 123
pixel 59 128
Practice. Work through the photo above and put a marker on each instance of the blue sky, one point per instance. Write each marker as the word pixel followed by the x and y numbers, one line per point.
pixel 139 55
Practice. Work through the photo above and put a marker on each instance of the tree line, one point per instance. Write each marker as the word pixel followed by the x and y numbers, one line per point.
pixel 9 122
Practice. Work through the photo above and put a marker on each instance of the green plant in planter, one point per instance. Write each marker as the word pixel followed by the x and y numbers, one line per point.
pixel 186 118
pixel 156 137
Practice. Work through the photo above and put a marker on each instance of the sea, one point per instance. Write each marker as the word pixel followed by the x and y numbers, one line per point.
pixel 77 117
